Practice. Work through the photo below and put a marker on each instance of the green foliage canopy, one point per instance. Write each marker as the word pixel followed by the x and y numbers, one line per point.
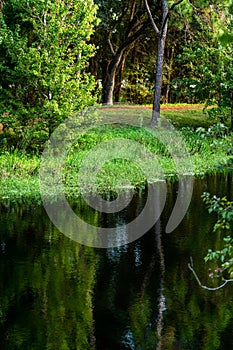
pixel 207 61
pixel 44 52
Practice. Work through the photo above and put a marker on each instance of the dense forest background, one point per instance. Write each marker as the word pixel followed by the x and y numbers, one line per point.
pixel 197 58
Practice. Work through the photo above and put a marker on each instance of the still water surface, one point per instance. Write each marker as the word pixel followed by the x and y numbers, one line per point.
pixel 56 294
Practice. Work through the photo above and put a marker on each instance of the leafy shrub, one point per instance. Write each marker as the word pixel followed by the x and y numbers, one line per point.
pixel 224 257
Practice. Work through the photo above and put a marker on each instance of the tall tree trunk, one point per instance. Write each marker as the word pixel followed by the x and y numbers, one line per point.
pixel 117 57
pixel 158 77
pixel 119 80
pixel 162 34
pixel 108 96
pixel 110 84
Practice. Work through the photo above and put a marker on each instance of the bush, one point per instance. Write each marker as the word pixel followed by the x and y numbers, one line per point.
pixel 44 52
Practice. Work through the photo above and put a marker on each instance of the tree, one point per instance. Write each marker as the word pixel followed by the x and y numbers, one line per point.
pixel 122 24
pixel 161 35
pixel 207 61
pixel 44 52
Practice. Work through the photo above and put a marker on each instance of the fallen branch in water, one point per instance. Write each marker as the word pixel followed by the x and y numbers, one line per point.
pixel 190 265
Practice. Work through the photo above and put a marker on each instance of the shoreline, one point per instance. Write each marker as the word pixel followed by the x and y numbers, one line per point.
pixel 20 189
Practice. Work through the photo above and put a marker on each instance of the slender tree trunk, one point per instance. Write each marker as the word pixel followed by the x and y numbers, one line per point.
pixel 162 34
pixel 158 78
pixel 119 80
pixel 110 84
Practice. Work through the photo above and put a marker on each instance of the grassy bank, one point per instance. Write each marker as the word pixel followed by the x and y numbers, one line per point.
pixel 210 152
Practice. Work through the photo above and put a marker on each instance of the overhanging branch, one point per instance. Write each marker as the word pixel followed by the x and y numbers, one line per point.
pixel 190 265
pixel 151 18
pixel 169 13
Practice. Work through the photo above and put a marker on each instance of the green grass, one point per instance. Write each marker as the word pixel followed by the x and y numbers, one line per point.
pixel 191 118
pixel 19 175
pixel 208 154
pixel 178 117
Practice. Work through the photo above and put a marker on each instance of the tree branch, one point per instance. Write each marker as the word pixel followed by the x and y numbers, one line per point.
pixel 195 8
pixel 168 14
pixel 165 12
pixel 174 5
pixel 151 18
pixel 134 36
pixel 199 282
pixel 111 29
pixel 126 43
pixel 110 46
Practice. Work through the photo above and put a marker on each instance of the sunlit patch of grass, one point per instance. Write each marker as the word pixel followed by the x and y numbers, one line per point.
pixel 182 117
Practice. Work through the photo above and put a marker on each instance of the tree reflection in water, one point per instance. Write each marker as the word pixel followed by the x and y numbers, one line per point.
pixel 57 294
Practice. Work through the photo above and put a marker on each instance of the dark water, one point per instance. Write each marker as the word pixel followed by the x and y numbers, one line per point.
pixel 56 294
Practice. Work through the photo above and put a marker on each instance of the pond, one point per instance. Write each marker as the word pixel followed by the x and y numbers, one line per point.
pixel 57 294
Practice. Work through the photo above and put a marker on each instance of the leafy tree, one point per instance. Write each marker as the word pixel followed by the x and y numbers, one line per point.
pixel 44 52
pixel 126 70
pixel 122 24
pixel 124 28
pixel 207 61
